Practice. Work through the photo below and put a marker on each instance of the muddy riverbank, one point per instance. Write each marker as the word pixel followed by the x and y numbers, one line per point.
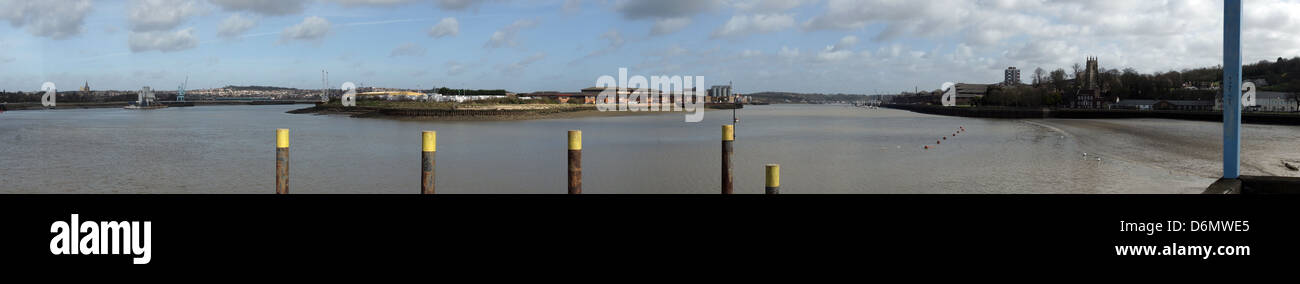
pixel 1048 113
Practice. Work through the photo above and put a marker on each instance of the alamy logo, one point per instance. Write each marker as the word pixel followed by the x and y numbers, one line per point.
pixel 949 97
pixel 47 100
pixel 657 93
pixel 105 237
pixel 349 94
pixel 1248 94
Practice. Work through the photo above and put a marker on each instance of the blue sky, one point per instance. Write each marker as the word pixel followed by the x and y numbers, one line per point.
pixel 564 45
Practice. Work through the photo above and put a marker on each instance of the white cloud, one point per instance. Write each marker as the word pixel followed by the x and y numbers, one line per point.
pixel 445 27
pixel 408 49
pixel 669 25
pixel 454 68
pixel 741 25
pixel 899 17
pixel 572 6
pixel 57 19
pixel 615 40
pixel 505 37
pixel 1149 36
pixel 646 9
pixel 459 4
pixel 163 41
pixel 840 50
pixel 1056 53
pixel 522 64
pixel 159 15
pixel 788 52
pixel 311 28
pixel 235 25
pixel 670 16
pixel 371 2
pixel 271 8
pixel 444 4
pixel 768 6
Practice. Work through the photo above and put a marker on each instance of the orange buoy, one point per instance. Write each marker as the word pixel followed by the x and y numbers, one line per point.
pixel 945 138
pixel 927 147
pixel 938 142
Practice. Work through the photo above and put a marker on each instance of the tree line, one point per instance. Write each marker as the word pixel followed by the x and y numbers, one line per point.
pixel 1056 87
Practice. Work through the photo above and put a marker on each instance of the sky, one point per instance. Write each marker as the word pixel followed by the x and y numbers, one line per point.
pixel 812 46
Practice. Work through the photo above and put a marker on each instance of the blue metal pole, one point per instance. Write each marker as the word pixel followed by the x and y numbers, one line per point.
pixel 1231 88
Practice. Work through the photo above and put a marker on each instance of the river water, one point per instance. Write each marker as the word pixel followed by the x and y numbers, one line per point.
pixel 821 149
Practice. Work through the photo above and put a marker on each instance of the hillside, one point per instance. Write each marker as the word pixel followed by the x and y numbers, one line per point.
pixel 788 97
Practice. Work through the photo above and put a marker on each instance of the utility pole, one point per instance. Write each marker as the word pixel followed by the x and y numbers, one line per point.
pixel 324 87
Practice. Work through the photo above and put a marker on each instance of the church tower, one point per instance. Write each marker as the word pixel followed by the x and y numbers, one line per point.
pixel 1090 75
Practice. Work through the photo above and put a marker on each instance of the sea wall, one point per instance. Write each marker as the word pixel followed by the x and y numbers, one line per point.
pixel 991 112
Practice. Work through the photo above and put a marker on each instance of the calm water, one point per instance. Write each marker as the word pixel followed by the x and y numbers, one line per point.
pixel 822 149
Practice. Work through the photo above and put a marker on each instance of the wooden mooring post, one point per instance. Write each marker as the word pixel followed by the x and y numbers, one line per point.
pixel 728 136
pixel 427 162
pixel 773 179
pixel 575 161
pixel 282 161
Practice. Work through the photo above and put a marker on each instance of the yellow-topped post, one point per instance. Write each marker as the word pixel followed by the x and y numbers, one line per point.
pixel 728 137
pixel 575 161
pixel 575 139
pixel 430 141
pixel 282 138
pixel 427 163
pixel 773 179
pixel 282 161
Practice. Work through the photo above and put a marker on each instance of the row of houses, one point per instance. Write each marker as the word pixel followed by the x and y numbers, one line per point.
pixel 591 95
pixel 417 96
pixel 1198 105
pixel 1264 101
pixel 1276 101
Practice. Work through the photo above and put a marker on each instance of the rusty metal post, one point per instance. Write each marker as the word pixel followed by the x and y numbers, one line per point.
pixel 728 136
pixel 773 179
pixel 575 161
pixel 427 162
pixel 282 161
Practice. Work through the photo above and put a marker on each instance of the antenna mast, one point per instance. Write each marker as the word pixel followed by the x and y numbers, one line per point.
pixel 325 85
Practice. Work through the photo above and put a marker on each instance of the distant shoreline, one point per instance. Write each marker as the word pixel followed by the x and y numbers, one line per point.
pixel 1039 113
pixel 479 113
pixel 92 105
